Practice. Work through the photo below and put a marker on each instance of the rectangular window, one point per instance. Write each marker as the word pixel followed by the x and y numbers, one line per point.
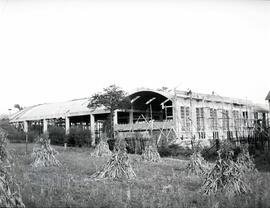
pixel 236 119
pixel 185 118
pixel 225 120
pixel 213 119
pixel 245 117
pixel 201 135
pixel 200 119
pixel 215 135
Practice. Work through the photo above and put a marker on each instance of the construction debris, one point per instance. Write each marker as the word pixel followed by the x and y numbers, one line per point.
pixel 117 168
pixel 44 154
pixel 102 149
pixel 150 154
pixel 10 195
pixel 225 176
pixel 197 165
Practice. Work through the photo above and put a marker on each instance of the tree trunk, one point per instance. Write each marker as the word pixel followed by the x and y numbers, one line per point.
pixel 112 124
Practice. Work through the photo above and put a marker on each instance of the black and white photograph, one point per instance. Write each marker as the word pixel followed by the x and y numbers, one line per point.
pixel 135 103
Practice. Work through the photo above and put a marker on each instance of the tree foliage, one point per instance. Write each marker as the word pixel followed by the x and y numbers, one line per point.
pixel 18 107
pixel 112 98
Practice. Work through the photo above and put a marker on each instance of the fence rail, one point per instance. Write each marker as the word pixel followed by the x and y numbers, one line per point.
pixel 144 125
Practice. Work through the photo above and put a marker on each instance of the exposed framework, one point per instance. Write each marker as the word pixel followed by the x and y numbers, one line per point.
pixel 210 119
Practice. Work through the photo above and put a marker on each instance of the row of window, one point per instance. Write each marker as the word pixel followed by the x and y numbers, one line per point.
pixel 215 135
pixel 213 119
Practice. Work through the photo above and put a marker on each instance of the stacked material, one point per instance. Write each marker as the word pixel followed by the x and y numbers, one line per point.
pixel 150 154
pixel 117 168
pixel 246 162
pixel 226 176
pixel 102 149
pixel 44 154
pixel 197 165
pixel 10 195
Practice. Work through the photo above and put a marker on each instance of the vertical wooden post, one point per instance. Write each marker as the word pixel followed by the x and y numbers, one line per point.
pixel 131 116
pixel 151 117
pixel 67 122
pixel 25 129
pixel 45 126
pixel 92 129
pixel 115 122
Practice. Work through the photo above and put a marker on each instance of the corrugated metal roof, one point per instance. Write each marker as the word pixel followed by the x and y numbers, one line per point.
pixel 55 110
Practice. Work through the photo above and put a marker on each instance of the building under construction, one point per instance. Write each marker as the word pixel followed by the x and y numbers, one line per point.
pixel 176 116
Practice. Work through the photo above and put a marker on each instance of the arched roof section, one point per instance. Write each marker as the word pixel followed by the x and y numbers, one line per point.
pixel 142 95
pixel 166 94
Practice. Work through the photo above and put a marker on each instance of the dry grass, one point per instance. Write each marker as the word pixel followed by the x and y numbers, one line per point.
pixel 163 184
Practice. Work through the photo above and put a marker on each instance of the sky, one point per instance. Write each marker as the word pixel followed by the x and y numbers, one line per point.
pixel 59 50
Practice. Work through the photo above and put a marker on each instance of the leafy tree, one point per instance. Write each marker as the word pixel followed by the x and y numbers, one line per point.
pixel 112 98
pixel 18 107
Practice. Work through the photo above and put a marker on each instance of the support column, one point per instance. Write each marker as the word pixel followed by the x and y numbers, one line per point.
pixel 67 121
pixel 176 120
pixel 92 129
pixel 115 118
pixel 45 126
pixel 25 126
pixel 25 129
pixel 131 116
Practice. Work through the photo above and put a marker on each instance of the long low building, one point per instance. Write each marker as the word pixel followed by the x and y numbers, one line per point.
pixel 173 115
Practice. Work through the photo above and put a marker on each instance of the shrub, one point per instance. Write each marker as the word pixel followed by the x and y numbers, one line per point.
pixel 57 135
pixel 136 144
pixel 14 135
pixel 174 151
pixel 79 137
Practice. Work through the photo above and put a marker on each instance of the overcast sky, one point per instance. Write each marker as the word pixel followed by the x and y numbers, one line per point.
pixel 60 50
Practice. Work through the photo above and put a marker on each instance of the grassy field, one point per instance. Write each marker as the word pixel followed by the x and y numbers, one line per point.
pixel 157 185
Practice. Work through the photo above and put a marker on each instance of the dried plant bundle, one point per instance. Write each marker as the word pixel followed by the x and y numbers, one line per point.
pixel 118 167
pixel 150 154
pixel 44 154
pixel 197 165
pixel 102 149
pixel 227 176
pixel 10 195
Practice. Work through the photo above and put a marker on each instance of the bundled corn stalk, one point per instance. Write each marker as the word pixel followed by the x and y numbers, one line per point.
pixel 226 176
pixel 3 144
pixel 197 165
pixel 118 167
pixel 44 154
pixel 245 161
pixel 102 149
pixel 150 154
pixel 10 195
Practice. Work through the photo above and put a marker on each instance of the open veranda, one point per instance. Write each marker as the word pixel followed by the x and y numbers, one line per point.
pixel 163 184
